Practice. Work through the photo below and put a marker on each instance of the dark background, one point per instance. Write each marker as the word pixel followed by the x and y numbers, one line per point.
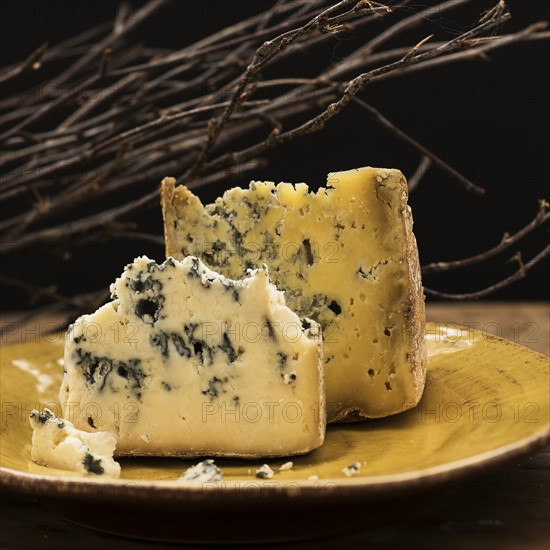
pixel 488 120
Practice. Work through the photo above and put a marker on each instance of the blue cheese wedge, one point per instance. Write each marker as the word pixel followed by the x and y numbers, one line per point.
pixel 345 256
pixel 58 444
pixel 185 362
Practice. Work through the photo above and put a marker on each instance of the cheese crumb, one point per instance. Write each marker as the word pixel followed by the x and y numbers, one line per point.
pixel 352 469
pixel 265 472
pixel 286 466
pixel 313 478
pixel 203 472
pixel 58 444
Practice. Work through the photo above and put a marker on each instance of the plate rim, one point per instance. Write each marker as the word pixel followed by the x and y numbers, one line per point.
pixel 39 484
pixel 32 484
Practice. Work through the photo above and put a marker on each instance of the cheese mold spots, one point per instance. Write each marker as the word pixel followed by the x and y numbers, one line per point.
pixel 58 444
pixel 346 256
pixel 186 362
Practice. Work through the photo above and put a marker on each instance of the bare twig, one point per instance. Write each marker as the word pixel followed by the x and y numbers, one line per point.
pixel 517 276
pixel 136 113
pixel 423 150
pixel 37 292
pixel 70 307
pixel 419 173
pixel 70 229
pixel 480 49
pixel 133 22
pixel 68 48
pixel 266 52
pixel 354 86
pixel 356 59
pixel 507 241
pixel 32 62
pixel 122 26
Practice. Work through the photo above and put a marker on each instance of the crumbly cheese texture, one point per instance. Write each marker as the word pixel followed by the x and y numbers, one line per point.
pixel 58 444
pixel 345 256
pixel 184 362
pixel 203 472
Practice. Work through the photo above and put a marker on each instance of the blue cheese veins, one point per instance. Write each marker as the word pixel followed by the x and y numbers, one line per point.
pixel 264 472
pixel 352 469
pixel 345 256
pixel 203 472
pixel 58 444
pixel 185 362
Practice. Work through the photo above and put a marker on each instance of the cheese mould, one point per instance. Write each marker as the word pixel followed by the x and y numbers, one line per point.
pixel 345 256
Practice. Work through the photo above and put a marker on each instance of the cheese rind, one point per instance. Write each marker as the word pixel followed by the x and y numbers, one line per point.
pixel 58 444
pixel 344 255
pixel 184 362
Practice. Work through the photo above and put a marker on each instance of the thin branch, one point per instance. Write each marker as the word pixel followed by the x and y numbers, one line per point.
pixel 133 22
pixel 32 62
pixel 479 52
pixel 517 276
pixel 266 52
pixel 88 223
pixel 47 108
pixel 105 219
pixel 419 173
pixel 137 236
pixel 35 313
pixel 318 122
pixel 119 30
pixel 359 56
pixel 37 292
pixel 152 117
pixel 424 151
pixel 507 241
pixel 82 303
pixel 70 47
pixel 211 45
pixel 116 88
pixel 531 33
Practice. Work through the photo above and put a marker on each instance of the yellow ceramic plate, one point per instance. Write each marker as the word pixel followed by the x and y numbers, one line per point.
pixel 486 400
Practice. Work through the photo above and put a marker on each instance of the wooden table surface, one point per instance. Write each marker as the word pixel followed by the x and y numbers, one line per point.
pixel 507 508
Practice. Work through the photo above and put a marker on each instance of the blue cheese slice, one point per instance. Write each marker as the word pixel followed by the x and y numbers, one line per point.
pixel 185 362
pixel 344 255
pixel 58 444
